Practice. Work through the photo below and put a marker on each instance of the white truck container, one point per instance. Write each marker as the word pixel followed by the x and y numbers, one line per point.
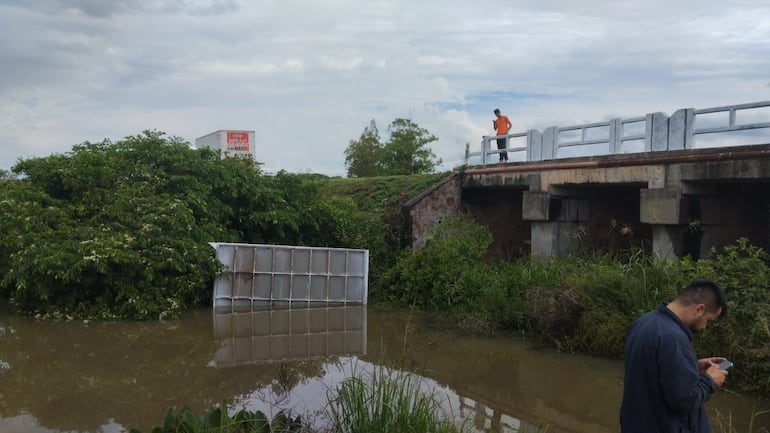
pixel 232 143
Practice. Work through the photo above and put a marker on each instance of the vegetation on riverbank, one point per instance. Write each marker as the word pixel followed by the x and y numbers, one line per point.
pixel 585 303
pixel 724 423
pixel 121 230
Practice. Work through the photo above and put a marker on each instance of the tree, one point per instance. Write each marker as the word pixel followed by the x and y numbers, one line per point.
pixel 405 153
pixel 362 156
pixel 112 230
pixel 121 230
pixel 6 174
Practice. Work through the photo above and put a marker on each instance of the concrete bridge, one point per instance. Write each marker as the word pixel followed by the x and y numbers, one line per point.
pixel 671 185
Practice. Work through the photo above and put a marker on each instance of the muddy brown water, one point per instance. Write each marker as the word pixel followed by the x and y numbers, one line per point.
pixel 109 377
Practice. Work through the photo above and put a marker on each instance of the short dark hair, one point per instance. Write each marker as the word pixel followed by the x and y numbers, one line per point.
pixel 703 291
pixel 497 110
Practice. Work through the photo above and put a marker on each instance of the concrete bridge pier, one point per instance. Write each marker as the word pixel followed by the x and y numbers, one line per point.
pixel 660 208
pixel 677 221
pixel 556 223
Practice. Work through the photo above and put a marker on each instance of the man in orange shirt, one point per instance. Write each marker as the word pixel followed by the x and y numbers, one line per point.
pixel 502 124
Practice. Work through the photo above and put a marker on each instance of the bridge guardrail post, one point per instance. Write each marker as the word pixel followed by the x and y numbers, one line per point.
pixel 534 145
pixel 550 140
pixel 615 141
pixel 656 132
pixel 647 132
pixel 484 146
pixel 689 124
pixel 677 130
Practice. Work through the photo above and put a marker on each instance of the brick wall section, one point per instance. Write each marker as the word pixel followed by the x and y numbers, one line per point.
pixel 428 209
pixel 498 209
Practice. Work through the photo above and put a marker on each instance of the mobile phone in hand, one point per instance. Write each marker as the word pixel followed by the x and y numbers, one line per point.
pixel 725 365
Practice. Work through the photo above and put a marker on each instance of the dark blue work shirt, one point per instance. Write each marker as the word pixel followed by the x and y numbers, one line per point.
pixel 664 391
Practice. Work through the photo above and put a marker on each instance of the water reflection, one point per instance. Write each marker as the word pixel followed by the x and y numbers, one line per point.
pixel 503 382
pixel 311 398
pixel 250 333
pixel 253 333
pixel 509 378
pixel 107 377
pixel 80 376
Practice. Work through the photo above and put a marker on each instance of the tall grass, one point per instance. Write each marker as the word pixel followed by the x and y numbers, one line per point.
pixel 387 401
pixel 724 423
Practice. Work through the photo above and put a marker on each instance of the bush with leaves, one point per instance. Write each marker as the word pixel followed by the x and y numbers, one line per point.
pixel 613 291
pixel 118 230
pixel 743 336
pixel 432 277
pixel 121 230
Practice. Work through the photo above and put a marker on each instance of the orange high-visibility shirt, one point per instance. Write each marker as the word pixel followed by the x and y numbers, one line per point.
pixel 501 125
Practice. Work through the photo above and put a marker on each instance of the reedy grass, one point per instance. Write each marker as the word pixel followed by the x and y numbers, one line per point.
pixel 387 401
pixel 724 423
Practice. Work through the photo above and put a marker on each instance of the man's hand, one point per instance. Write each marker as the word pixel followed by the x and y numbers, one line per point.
pixel 705 363
pixel 717 374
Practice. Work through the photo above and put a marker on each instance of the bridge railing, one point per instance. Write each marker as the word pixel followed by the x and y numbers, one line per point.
pixel 514 145
pixel 687 128
pixel 720 122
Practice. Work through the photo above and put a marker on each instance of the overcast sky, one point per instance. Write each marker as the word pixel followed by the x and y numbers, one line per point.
pixel 309 76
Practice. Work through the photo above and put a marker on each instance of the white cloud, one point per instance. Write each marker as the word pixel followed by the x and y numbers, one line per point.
pixel 308 77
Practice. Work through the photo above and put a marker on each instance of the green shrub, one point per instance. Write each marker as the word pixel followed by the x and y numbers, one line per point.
pixel 121 230
pixel 601 332
pixel 553 313
pixel 586 302
pixel 432 277
pixel 743 335
pixel 631 286
pixel 498 303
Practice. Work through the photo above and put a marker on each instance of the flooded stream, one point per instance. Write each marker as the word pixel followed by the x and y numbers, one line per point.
pixel 109 377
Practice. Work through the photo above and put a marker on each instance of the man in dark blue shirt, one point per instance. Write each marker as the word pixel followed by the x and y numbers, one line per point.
pixel 665 385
